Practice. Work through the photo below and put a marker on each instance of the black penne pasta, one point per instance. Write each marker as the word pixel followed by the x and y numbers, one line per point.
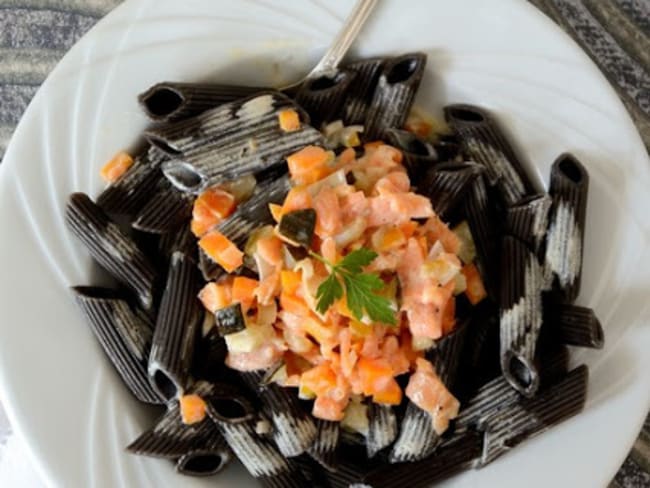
pixel 176 328
pixel 230 141
pixel 209 356
pixel 124 335
pixel 447 184
pixel 165 212
pixel 452 458
pixel 207 459
pixel 312 472
pixel 323 97
pixel 325 447
pixel 111 248
pixel 170 438
pixel 180 239
pixel 447 355
pixel 568 188
pixel 530 417
pixel 295 430
pixel 170 101
pixel 576 326
pixel 419 155
pixel 498 394
pixel 360 93
pixel 480 362
pixel 394 94
pixel 417 439
pixel 258 454
pixel 291 479
pixel 528 221
pixel 254 212
pixel 490 398
pixel 485 227
pixel 135 187
pixel 484 142
pixel 225 403
pixel 382 428
pixel 520 315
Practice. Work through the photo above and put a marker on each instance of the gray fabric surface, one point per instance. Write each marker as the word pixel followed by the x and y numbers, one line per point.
pixel 34 35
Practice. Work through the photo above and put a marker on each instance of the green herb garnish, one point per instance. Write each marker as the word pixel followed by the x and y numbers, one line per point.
pixel 360 287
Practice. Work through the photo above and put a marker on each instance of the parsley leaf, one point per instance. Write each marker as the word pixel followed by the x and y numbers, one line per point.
pixel 358 258
pixel 328 292
pixel 360 287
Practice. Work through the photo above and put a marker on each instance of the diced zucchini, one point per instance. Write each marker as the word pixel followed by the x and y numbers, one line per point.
pixel 230 320
pixel 467 252
pixel 298 226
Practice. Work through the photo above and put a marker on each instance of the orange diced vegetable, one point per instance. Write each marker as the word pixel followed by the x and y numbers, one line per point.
pixel 290 281
pixel 293 304
pixel 298 198
pixel 210 208
pixel 243 291
pixel 192 409
pixel 309 164
pixel 116 167
pixel 319 379
pixel 289 120
pixel 215 296
pixel 475 290
pixel 276 211
pixel 391 394
pixel 222 251
pixel 409 228
pixel 375 374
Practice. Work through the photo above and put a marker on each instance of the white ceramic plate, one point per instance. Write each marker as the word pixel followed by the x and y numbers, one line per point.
pixel 61 393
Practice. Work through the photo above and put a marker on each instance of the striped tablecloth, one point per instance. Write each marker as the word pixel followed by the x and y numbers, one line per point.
pixel 34 35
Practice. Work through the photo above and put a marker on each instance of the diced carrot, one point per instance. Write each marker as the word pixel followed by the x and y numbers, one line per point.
pixel 391 394
pixel 276 211
pixel 290 281
pixel 192 408
pixel 222 251
pixel 243 291
pixel 210 208
pixel 475 290
pixel 309 164
pixel 375 374
pixel 289 120
pixel 409 228
pixel 298 198
pixel 294 304
pixel 215 296
pixel 116 167
pixel 319 379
